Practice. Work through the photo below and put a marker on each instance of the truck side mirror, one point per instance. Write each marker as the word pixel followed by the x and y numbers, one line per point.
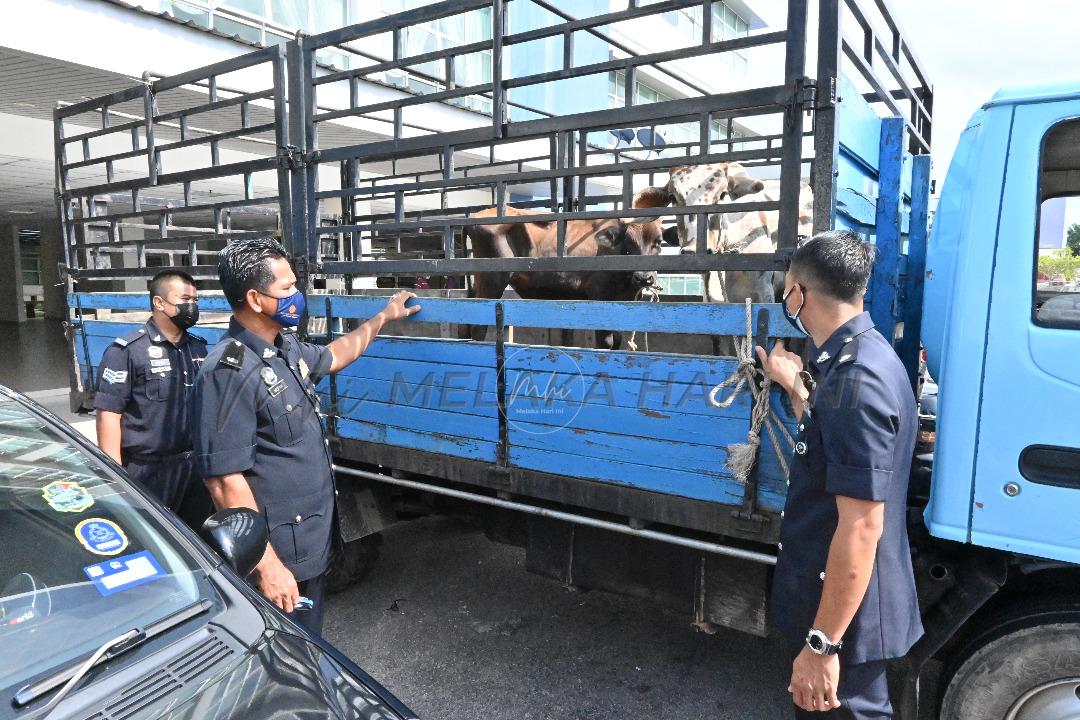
pixel 239 536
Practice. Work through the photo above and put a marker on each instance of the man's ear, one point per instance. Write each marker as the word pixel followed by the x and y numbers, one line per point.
pixel 251 300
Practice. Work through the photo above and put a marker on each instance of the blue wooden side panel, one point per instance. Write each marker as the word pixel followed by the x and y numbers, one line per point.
pixel 634 419
pixel 701 318
pixel 882 193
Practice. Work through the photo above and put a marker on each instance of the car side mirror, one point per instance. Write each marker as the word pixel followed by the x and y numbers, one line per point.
pixel 239 536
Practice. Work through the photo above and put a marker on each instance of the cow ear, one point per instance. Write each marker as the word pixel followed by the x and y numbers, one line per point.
pixel 652 196
pixel 740 182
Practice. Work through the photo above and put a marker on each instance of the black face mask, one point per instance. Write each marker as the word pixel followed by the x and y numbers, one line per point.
pixel 187 314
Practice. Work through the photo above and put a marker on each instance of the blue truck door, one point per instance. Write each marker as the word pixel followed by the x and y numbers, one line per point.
pixel 1027 481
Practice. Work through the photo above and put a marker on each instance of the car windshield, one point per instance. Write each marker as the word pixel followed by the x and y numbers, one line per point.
pixel 84 558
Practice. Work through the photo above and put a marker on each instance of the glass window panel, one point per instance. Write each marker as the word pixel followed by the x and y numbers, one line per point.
pixel 252 7
pixel 239 29
pixel 187 12
pixel 290 13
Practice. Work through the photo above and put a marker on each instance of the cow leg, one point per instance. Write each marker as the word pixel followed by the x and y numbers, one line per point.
pixel 488 286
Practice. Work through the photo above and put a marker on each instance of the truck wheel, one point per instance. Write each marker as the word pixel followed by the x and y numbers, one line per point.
pixel 1030 674
pixel 350 565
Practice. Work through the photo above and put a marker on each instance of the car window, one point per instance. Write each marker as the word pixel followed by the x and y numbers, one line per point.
pixel 1057 271
pixel 83 558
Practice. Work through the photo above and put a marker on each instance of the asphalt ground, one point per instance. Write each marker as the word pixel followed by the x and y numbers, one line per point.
pixel 454 625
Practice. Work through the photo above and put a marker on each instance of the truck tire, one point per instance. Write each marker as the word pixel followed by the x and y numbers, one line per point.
pixel 352 563
pixel 1029 674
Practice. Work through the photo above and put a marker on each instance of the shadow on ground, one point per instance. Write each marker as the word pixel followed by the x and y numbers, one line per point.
pixel 455 626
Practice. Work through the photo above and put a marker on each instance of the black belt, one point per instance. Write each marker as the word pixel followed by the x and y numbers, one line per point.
pixel 146 459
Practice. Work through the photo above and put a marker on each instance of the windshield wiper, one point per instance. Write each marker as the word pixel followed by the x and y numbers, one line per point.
pixel 69 676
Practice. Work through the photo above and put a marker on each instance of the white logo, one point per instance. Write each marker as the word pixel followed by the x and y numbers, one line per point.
pixel 269 376
pixel 154 351
pixel 823 357
pixel 844 357
pixel 114 376
pixel 800 448
pixel 267 353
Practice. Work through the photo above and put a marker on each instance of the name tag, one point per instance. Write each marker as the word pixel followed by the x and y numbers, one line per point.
pixel 160 366
pixel 276 390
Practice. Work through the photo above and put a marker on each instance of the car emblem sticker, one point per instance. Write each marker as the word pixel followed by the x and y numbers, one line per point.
pixel 155 352
pixel 65 496
pixel 101 537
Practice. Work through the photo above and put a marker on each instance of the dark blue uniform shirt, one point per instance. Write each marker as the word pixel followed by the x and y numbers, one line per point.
pixel 257 413
pixel 148 380
pixel 855 440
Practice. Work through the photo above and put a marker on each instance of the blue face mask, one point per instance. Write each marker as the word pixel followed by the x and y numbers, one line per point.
pixel 793 317
pixel 289 309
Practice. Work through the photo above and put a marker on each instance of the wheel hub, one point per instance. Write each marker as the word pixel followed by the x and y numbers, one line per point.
pixel 1057 700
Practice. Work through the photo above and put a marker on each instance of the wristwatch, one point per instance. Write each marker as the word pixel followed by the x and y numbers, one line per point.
pixel 819 643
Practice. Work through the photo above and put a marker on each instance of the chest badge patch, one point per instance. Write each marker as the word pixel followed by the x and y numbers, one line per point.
pixel 823 357
pixel 304 370
pixel 155 352
pixel 268 353
pixel 800 448
pixel 269 377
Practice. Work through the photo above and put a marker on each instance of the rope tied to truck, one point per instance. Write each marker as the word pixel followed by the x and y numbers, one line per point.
pixel 741 456
pixel 653 293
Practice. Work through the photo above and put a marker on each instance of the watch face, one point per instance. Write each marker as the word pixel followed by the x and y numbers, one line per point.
pixel 816 643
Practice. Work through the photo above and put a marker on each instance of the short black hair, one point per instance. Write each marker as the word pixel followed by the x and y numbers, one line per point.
pixel 157 283
pixel 837 262
pixel 245 265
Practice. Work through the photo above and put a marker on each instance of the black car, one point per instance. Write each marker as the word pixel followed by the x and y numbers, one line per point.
pixel 110 608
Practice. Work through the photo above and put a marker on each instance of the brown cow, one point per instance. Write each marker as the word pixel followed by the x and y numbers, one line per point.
pixel 584 238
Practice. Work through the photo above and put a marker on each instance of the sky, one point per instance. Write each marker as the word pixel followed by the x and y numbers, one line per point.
pixel 970 48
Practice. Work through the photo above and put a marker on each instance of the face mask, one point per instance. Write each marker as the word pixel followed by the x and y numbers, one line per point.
pixel 187 314
pixel 793 318
pixel 289 309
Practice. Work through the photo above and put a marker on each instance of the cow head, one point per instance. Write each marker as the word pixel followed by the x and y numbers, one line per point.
pixel 707 185
pixel 645 238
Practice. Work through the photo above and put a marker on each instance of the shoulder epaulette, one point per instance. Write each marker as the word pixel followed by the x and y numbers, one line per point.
pixel 125 340
pixel 849 352
pixel 233 356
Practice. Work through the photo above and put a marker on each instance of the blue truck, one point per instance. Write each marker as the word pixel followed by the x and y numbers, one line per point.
pixel 610 466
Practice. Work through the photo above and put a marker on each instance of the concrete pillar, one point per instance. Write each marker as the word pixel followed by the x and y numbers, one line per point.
pixel 51 255
pixel 12 307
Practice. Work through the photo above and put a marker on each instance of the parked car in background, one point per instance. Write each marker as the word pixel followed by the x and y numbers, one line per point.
pixel 110 607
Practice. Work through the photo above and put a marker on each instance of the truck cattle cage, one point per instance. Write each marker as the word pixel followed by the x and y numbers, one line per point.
pixel 369 150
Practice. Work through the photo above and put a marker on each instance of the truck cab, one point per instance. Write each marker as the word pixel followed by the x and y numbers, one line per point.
pixel 1003 345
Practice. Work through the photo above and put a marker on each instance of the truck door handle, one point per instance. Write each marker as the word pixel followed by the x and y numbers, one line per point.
pixel 1051 465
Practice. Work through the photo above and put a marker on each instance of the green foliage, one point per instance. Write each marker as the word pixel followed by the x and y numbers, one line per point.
pixel 1072 239
pixel 1061 262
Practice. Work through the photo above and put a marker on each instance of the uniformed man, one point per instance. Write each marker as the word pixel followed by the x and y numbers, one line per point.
pixel 142 399
pixel 259 439
pixel 843 590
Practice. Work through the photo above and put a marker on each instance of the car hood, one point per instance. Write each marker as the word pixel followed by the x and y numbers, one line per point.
pixel 285 676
